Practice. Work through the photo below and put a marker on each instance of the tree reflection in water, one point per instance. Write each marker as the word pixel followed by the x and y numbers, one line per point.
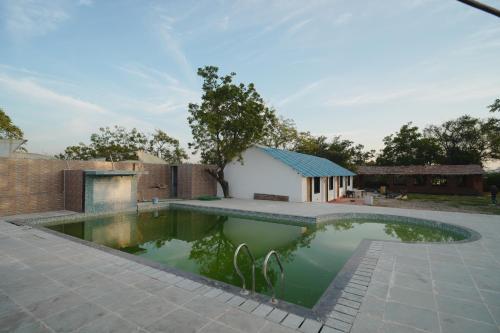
pixel 214 256
pixel 415 233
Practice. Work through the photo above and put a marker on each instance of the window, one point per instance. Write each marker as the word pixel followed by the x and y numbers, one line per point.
pixel 341 181
pixel 419 180
pixel 399 180
pixel 348 181
pixel 439 181
pixel 461 181
pixel 330 183
pixel 317 185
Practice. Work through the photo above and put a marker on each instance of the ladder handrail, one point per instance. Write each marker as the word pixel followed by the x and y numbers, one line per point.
pixel 244 291
pixel 264 270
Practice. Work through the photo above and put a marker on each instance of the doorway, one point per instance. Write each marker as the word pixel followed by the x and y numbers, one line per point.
pixel 174 176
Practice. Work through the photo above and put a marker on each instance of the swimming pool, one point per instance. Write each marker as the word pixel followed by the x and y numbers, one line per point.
pixel 204 243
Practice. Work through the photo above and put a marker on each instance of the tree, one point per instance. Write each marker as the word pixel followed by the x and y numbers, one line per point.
pixel 341 151
pixel 281 134
pixel 166 148
pixel 119 144
pixel 467 140
pixel 7 128
pixel 230 118
pixel 409 146
pixel 495 106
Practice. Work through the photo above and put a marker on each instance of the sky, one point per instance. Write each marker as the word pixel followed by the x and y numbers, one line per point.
pixel 359 69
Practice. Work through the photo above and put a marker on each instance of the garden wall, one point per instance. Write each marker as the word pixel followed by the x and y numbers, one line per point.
pixel 37 185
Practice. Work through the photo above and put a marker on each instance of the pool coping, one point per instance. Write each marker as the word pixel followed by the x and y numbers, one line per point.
pixel 323 308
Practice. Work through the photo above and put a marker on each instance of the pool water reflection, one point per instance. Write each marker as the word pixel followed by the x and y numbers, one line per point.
pixel 204 244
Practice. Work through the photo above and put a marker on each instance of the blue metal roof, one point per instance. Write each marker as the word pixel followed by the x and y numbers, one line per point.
pixel 307 165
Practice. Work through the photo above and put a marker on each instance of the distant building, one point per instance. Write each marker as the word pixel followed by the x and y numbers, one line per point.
pixel 433 179
pixel 275 174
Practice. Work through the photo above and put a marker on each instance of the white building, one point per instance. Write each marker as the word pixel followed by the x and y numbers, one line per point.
pixel 276 172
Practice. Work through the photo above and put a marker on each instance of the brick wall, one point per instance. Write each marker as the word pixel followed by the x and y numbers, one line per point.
pixel 35 185
pixel 74 184
pixel 472 184
pixel 195 181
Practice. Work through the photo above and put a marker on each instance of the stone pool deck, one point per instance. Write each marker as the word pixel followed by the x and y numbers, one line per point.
pixel 49 283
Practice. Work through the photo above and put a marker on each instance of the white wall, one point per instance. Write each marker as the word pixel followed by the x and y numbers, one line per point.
pixel 261 173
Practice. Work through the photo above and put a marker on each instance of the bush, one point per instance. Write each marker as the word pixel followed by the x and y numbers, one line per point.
pixel 491 179
pixel 207 198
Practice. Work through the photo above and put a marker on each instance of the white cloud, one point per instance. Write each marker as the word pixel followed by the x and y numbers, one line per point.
pixel 302 92
pixel 32 89
pixel 57 120
pixel 343 19
pixel 29 18
pixel 87 3
pixel 298 26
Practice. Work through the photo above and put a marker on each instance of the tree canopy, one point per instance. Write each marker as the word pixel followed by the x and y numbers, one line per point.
pixel 465 140
pixel 7 128
pixel 495 106
pixel 409 146
pixel 230 118
pixel 119 144
pixel 338 150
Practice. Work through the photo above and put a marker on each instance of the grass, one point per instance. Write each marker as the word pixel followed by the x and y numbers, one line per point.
pixel 207 198
pixel 465 202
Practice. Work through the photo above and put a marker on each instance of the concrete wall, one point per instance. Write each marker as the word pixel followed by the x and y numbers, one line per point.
pixel 109 193
pixel 260 173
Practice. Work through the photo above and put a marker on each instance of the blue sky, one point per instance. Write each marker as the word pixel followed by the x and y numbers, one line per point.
pixel 355 68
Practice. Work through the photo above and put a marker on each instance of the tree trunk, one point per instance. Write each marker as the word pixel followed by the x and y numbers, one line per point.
pixel 219 176
pixel 225 187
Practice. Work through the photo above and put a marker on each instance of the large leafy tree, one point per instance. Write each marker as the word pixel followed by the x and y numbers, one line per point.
pixel 230 118
pixel 119 144
pixel 7 128
pixel 467 140
pixel 409 146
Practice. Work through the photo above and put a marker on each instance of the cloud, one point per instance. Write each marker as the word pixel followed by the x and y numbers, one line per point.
pixel 167 94
pixel 302 92
pixel 298 26
pixel 29 18
pixel 59 119
pixel 438 92
pixel 164 24
pixel 87 3
pixel 343 19
pixel 33 90
pixel 148 73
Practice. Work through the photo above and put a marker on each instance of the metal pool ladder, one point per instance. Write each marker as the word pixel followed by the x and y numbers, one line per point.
pixel 244 291
pixel 264 270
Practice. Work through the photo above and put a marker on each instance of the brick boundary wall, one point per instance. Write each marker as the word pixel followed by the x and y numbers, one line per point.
pixel 37 185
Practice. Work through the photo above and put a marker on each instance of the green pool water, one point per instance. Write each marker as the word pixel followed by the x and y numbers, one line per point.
pixel 204 244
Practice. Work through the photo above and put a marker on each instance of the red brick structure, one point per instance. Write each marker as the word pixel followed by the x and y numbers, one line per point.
pixel 432 179
pixel 194 181
pixel 37 185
